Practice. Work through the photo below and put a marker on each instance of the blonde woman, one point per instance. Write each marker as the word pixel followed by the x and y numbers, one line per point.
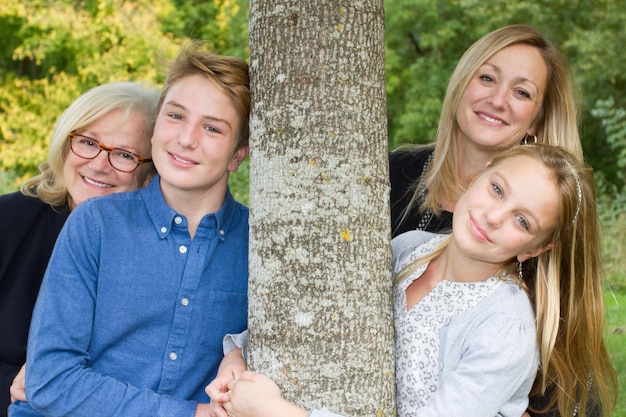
pixel 162 270
pixel 511 86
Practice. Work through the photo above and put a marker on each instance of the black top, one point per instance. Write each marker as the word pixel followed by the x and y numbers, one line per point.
pixel 28 231
pixel 405 169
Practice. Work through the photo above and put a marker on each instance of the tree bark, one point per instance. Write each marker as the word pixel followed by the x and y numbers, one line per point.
pixel 321 321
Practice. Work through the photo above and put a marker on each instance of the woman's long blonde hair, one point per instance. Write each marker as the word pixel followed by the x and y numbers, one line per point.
pixel 557 120
pixel 50 186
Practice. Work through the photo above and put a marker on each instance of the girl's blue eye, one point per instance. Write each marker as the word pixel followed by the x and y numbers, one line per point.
pixel 522 221
pixel 497 189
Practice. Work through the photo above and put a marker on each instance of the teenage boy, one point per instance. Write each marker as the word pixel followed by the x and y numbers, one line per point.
pixel 142 287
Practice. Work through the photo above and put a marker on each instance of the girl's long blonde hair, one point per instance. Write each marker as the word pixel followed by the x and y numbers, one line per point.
pixel 565 288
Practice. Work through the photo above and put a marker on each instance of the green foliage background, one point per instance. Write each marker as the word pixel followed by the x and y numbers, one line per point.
pixel 52 51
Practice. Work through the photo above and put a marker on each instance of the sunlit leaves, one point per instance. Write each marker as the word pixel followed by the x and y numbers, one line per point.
pixel 59 49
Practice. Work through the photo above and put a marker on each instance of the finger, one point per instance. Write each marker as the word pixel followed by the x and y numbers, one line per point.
pixel 248 376
pixel 219 411
pixel 17 394
pixel 215 394
pixel 228 407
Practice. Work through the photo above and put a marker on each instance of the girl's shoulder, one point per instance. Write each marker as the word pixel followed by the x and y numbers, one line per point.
pixel 411 245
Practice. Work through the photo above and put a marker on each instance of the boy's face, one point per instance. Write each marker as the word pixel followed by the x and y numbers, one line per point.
pixel 194 140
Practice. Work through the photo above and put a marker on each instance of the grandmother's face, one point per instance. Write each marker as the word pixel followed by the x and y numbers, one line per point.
pixel 86 178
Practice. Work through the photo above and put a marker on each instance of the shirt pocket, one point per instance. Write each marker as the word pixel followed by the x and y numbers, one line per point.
pixel 223 313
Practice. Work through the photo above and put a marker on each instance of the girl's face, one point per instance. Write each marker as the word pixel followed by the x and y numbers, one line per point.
pixel 500 103
pixel 508 212
pixel 195 138
pixel 86 178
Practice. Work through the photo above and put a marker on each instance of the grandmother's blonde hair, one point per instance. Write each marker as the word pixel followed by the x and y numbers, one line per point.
pixel 129 97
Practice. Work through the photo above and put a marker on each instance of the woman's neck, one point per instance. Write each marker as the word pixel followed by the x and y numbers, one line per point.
pixel 470 161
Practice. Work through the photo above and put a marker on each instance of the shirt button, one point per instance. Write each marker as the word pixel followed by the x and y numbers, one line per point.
pixel 221 232
pixel 173 356
pixel 184 301
pixel 163 229
pixel 178 220
pixel 182 249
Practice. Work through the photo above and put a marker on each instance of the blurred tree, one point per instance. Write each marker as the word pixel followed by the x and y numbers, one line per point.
pixel 223 23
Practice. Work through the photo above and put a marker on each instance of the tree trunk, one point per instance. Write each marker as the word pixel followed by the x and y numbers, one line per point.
pixel 321 322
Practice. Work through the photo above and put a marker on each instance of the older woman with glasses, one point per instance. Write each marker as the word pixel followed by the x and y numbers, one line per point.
pixel 117 118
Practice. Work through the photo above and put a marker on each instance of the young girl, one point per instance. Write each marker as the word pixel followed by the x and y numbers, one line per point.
pixel 525 237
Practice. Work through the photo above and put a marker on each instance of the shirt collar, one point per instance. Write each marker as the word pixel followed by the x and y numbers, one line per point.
pixel 163 215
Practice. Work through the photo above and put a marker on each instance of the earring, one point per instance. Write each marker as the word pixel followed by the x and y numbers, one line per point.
pixel 520 274
pixel 526 140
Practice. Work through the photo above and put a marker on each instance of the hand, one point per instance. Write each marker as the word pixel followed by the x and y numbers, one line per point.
pixel 231 368
pixel 18 386
pixel 254 395
pixel 202 410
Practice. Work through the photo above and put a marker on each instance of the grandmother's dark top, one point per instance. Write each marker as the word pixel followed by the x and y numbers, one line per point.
pixel 28 231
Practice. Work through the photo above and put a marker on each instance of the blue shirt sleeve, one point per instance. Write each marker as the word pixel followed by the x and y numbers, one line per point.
pixel 59 380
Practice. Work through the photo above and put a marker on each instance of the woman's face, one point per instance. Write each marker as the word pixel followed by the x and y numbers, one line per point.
pixel 500 103
pixel 86 178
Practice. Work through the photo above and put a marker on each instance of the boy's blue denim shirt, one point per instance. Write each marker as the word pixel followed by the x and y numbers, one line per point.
pixel 131 313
